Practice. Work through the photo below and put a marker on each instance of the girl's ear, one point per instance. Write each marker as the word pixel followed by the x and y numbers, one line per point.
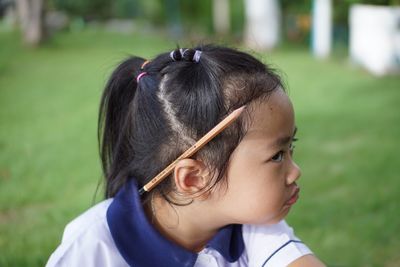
pixel 191 176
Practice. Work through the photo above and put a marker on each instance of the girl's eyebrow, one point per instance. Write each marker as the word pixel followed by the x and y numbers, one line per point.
pixel 282 141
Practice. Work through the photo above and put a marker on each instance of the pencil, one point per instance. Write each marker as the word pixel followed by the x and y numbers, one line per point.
pixel 193 149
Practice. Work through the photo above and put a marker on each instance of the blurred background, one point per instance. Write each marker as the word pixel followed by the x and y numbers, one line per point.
pixel 340 60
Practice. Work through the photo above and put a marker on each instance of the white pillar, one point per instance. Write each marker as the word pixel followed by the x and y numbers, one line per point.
pixel 322 28
pixel 375 38
pixel 263 23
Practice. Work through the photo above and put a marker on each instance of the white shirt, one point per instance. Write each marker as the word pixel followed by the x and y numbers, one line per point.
pixel 100 237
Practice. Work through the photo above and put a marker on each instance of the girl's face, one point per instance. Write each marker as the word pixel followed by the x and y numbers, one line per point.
pixel 262 175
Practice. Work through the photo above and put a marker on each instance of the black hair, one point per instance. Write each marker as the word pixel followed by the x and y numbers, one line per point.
pixel 145 125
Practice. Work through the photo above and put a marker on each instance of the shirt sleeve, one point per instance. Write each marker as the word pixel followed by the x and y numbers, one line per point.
pixel 272 245
pixel 84 254
pixel 87 242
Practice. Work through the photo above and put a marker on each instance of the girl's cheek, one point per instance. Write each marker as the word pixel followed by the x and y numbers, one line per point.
pixel 273 170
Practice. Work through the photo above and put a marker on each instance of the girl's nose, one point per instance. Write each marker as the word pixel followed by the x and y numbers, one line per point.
pixel 294 173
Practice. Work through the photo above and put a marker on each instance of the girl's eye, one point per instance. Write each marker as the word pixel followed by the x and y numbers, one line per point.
pixel 278 157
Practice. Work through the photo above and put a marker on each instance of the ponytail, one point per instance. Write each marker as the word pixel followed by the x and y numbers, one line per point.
pixel 114 113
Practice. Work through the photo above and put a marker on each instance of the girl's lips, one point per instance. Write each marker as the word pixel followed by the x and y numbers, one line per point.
pixel 294 197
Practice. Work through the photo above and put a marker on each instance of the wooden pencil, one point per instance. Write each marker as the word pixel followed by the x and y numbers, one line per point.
pixel 193 149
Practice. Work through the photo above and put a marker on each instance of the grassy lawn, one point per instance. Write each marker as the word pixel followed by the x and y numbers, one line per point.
pixel 349 125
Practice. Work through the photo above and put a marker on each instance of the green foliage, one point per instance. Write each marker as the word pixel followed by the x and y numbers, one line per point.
pixel 126 8
pixel 49 167
pixel 299 6
pixel 197 15
pixel 154 11
pixel 85 8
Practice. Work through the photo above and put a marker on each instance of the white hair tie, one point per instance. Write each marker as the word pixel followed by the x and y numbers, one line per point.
pixel 196 56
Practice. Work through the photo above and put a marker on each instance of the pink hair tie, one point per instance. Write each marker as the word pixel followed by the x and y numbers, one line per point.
pixel 140 76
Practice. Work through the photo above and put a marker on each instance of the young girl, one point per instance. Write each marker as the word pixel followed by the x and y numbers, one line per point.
pixel 222 206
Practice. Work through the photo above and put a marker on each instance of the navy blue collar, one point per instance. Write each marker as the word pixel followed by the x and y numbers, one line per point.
pixel 142 245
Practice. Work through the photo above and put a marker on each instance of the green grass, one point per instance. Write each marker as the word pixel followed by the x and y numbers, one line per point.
pixel 348 129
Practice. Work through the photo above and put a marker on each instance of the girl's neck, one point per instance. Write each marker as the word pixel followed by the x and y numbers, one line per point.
pixel 191 228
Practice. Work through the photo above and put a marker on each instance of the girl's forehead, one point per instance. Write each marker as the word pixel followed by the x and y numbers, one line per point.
pixel 276 106
pixel 272 116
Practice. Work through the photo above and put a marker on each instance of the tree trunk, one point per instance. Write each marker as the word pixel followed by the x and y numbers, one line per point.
pixel 263 23
pixel 31 13
pixel 221 17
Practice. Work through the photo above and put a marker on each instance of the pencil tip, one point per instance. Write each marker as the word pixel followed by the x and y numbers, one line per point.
pixel 240 110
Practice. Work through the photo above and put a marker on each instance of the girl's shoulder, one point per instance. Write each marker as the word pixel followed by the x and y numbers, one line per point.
pixel 272 245
pixel 87 241
pixel 89 221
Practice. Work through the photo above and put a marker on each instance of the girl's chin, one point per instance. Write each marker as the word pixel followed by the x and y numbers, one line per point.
pixel 280 216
